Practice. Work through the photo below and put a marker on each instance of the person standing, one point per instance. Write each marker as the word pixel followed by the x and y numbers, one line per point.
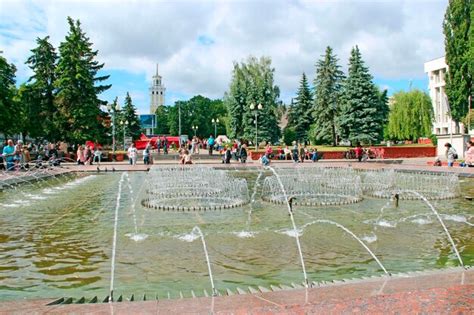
pixel 302 153
pixel 146 155
pixel 165 146
pixel 358 152
pixel 80 155
pixel 469 154
pixel 243 153
pixel 132 154
pixel 451 154
pixel 210 144
pixel 295 152
pixel 9 154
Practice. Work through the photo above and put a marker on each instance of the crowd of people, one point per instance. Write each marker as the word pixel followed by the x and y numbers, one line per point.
pixel 19 155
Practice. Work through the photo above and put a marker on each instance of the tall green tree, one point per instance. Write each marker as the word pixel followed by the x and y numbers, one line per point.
pixel 383 111
pixel 129 114
pixel 359 120
pixel 77 83
pixel 411 116
pixel 162 123
pixel 252 83
pixel 459 38
pixel 300 115
pixel 198 111
pixel 38 95
pixel 8 106
pixel 328 91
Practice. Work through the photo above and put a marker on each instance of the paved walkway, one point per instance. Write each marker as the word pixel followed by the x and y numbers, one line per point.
pixel 417 164
pixel 440 292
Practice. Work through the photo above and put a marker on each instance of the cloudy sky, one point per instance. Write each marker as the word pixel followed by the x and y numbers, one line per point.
pixel 196 42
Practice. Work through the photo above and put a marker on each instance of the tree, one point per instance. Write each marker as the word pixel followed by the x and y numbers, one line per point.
pixel 328 92
pixel 79 115
pixel 383 111
pixel 459 38
pixel 38 94
pixel 411 116
pixel 162 123
pixel 252 83
pixel 198 111
pixel 8 108
pixel 300 115
pixel 129 114
pixel 359 120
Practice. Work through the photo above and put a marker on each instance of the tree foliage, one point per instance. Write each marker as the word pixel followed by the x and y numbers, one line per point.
pixel 300 115
pixel 359 119
pixel 198 111
pixel 459 41
pixel 8 106
pixel 79 114
pixel 411 116
pixel 129 114
pixel 252 83
pixel 328 92
pixel 38 94
pixel 162 124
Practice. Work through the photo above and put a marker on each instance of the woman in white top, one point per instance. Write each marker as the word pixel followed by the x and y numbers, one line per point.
pixel 451 154
pixel 132 154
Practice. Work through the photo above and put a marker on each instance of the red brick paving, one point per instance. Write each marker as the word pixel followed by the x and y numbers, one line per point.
pixel 441 292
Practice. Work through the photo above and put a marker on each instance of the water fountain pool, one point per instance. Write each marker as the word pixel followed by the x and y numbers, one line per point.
pixel 60 242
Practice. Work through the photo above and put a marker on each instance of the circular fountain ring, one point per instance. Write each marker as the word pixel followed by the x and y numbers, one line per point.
pixel 193 203
pixel 315 199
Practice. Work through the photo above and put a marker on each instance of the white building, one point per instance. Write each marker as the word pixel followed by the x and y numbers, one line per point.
pixel 157 92
pixel 444 127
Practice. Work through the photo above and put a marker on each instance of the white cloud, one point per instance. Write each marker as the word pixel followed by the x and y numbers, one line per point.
pixel 395 37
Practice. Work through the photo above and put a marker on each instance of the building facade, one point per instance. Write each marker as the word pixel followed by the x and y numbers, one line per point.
pixel 157 92
pixel 444 127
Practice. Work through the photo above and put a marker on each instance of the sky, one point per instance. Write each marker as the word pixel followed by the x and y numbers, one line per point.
pixel 196 42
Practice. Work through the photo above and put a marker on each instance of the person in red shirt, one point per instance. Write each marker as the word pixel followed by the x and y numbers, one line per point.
pixel 358 152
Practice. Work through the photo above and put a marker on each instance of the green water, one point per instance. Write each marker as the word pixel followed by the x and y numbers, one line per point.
pixel 56 240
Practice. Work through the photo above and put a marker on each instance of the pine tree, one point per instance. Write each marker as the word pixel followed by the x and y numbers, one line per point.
pixel 79 117
pixel 328 92
pixel 128 114
pixel 39 92
pixel 359 119
pixel 301 111
pixel 459 38
pixel 8 108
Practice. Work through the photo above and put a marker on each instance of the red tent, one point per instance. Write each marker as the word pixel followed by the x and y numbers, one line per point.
pixel 141 143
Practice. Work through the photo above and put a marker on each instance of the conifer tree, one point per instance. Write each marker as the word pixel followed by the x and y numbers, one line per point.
pixel 129 114
pixel 38 95
pixel 459 39
pixel 359 120
pixel 300 115
pixel 328 92
pixel 8 106
pixel 79 115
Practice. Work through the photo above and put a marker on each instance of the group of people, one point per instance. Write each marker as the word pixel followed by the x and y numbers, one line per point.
pixel 20 155
pixel 452 155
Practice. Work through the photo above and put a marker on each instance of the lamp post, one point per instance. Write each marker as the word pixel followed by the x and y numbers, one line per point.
pixel 124 124
pixel 215 122
pixel 255 110
pixel 113 109
pixel 194 128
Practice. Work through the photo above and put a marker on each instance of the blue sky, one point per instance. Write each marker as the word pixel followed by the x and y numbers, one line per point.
pixel 196 42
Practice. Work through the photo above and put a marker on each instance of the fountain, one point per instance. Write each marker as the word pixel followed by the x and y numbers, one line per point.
pixel 62 245
pixel 194 189
pixel 318 186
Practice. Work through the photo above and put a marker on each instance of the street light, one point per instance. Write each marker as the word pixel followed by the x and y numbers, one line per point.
pixel 215 122
pixel 195 128
pixel 124 125
pixel 113 109
pixel 255 110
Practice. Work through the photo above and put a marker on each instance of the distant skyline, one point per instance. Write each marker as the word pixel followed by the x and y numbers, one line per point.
pixel 196 42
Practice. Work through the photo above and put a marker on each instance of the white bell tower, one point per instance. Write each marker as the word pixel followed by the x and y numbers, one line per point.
pixel 157 92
